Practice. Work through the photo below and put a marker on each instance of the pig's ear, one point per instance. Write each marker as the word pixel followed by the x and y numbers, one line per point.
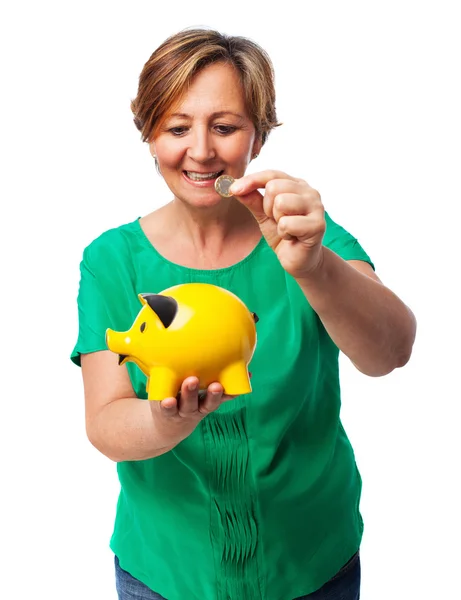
pixel 164 307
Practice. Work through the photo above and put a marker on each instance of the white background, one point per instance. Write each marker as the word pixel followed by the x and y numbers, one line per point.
pixel 369 96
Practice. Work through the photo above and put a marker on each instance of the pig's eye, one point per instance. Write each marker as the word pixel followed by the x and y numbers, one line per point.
pixel 142 328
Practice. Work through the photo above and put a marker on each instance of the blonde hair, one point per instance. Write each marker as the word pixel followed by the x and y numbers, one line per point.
pixel 168 73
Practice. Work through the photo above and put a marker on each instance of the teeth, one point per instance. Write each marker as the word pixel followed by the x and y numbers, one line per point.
pixel 202 176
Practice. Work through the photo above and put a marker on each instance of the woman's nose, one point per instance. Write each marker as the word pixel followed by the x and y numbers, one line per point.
pixel 201 148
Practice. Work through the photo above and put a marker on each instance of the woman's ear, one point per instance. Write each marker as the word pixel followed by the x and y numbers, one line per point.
pixel 153 152
pixel 257 145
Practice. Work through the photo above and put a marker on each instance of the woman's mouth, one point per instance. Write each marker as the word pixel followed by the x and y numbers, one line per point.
pixel 202 178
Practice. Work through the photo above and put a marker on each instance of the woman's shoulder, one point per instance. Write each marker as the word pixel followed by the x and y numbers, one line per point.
pixel 111 243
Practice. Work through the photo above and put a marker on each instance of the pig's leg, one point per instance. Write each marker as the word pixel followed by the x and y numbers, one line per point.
pixel 235 379
pixel 163 383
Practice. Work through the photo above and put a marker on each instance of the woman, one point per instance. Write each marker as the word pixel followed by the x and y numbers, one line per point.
pixel 254 497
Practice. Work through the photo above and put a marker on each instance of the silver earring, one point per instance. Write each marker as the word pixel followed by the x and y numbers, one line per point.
pixel 255 156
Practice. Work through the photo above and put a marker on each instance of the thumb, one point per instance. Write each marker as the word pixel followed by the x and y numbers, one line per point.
pixel 253 200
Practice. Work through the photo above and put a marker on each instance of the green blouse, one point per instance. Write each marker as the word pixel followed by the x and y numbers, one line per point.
pixel 261 501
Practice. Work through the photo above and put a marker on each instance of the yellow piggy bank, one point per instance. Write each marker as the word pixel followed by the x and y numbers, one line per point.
pixel 194 329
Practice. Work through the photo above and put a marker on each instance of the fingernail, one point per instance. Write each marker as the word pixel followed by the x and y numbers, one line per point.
pixel 192 387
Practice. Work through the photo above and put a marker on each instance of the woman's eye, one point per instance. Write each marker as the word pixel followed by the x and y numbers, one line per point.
pixel 177 130
pixel 225 129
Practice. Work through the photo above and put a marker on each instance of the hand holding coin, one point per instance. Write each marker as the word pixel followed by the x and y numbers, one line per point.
pixel 290 215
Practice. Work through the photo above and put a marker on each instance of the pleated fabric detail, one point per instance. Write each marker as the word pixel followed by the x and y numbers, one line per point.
pixel 234 528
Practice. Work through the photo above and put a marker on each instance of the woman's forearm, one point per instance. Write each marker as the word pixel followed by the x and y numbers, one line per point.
pixel 365 319
pixel 124 430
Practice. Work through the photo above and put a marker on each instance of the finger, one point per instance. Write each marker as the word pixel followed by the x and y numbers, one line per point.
pixel 285 186
pixel 212 399
pixel 188 397
pixel 254 201
pixel 168 407
pixel 245 190
pixel 217 387
pixel 290 204
pixel 277 187
pixel 254 181
pixel 303 228
pixel 261 206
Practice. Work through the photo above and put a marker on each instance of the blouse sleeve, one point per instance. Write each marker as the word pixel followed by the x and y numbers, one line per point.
pixel 344 244
pixel 93 317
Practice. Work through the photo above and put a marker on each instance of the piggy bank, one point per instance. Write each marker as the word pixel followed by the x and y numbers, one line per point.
pixel 194 329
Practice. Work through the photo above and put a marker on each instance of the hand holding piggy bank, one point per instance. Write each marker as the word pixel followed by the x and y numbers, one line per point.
pixel 194 329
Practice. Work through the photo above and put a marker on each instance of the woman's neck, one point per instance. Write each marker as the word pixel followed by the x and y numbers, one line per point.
pixel 210 227
pixel 202 237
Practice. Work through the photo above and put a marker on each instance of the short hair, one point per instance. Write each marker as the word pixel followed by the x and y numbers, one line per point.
pixel 167 75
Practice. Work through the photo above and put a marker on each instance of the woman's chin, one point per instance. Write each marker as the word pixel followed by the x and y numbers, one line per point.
pixel 202 198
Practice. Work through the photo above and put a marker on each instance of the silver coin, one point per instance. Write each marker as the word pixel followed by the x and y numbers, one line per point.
pixel 222 185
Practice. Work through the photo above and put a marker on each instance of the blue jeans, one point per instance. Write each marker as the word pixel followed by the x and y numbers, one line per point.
pixel 345 585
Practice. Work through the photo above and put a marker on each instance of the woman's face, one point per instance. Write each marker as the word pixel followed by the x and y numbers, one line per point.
pixel 208 134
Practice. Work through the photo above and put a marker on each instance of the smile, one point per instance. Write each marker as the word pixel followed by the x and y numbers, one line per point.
pixel 194 176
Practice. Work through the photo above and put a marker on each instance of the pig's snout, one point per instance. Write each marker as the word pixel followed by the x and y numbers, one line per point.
pixel 118 342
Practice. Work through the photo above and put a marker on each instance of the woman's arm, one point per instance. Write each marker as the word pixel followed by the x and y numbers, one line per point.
pixel 123 427
pixel 118 424
pixel 365 319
